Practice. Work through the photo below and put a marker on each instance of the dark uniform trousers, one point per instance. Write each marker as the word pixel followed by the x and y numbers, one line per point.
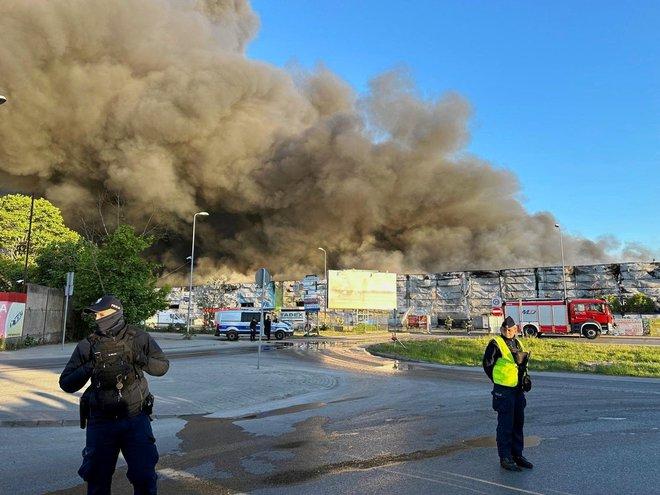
pixel 133 437
pixel 510 406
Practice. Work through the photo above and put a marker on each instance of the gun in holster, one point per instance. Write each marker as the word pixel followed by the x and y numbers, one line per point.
pixel 148 405
pixel 84 410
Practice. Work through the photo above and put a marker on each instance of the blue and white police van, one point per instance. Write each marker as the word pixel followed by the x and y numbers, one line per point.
pixel 232 323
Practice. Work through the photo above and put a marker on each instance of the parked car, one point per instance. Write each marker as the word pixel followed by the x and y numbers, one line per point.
pixel 232 323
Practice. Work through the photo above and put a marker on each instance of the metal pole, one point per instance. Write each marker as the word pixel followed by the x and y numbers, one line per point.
pixel 66 307
pixel 192 262
pixel 563 269
pixel 261 323
pixel 68 291
pixel 27 248
pixel 325 277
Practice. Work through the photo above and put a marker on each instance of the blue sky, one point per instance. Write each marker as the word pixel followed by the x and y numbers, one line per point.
pixel 566 94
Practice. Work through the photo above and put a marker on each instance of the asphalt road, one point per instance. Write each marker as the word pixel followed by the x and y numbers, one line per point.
pixel 339 421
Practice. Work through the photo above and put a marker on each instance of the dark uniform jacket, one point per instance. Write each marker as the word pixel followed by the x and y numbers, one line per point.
pixel 148 357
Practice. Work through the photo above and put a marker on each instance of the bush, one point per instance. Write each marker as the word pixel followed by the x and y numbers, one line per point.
pixel 17 343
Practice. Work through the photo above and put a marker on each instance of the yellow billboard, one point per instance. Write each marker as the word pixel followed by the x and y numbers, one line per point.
pixel 654 327
pixel 361 289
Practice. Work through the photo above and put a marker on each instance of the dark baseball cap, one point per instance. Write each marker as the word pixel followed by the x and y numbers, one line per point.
pixel 105 303
pixel 508 322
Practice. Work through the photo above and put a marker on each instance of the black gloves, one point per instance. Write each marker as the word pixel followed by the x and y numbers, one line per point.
pixel 141 359
pixel 521 359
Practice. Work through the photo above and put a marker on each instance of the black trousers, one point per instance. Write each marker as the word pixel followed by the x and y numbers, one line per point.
pixel 105 439
pixel 510 406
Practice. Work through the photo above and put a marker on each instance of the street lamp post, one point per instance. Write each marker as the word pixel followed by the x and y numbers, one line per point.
pixel 563 269
pixel 192 262
pixel 27 247
pixel 325 277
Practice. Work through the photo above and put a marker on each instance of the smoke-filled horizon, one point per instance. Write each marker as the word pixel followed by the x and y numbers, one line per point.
pixel 155 103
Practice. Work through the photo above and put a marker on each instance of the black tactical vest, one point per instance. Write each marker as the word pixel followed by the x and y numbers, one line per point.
pixel 113 359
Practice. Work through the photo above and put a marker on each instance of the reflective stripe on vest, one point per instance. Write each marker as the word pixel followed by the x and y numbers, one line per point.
pixel 505 371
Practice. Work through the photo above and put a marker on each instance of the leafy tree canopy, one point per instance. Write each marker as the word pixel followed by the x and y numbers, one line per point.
pixel 638 303
pixel 216 294
pixel 55 260
pixel 614 303
pixel 10 274
pixel 47 226
pixel 115 266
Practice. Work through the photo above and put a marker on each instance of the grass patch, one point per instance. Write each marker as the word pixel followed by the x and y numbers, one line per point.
pixel 16 344
pixel 547 355
pixel 359 329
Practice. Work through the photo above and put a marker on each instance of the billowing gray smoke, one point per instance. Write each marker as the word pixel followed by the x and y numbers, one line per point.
pixel 154 102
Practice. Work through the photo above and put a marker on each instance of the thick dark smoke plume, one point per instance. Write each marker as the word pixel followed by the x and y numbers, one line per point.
pixel 155 103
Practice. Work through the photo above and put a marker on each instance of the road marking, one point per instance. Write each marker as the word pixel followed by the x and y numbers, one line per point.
pixel 464 477
pixel 470 478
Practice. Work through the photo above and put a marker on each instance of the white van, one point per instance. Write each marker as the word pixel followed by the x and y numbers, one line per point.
pixel 235 322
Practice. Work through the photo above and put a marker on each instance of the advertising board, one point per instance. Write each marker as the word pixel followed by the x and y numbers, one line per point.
pixel 361 289
pixel 12 314
pixel 628 326
pixel 654 327
pixel 311 293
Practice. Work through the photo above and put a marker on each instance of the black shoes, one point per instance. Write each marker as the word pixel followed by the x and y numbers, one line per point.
pixel 509 464
pixel 522 462
pixel 515 463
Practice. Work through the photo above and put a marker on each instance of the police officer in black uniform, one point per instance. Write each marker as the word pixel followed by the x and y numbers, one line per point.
pixel 253 330
pixel 505 363
pixel 116 414
pixel 267 326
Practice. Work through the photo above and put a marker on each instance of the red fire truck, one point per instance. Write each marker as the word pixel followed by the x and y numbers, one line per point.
pixel 587 317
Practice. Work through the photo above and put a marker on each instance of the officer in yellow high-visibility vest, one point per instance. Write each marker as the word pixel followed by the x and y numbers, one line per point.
pixel 505 363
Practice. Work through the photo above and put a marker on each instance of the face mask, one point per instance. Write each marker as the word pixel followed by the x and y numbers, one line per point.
pixel 109 324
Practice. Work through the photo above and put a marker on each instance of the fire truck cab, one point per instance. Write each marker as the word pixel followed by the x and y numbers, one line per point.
pixel 585 317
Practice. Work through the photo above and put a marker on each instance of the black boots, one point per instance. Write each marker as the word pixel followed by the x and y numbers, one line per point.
pixel 522 462
pixel 515 463
pixel 509 464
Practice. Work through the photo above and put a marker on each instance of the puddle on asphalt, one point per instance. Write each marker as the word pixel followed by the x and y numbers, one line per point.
pixel 229 458
pixel 312 345
pixel 305 475
pixel 297 408
pixel 487 442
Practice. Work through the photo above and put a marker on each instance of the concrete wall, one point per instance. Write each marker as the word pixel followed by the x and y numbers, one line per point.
pixel 44 311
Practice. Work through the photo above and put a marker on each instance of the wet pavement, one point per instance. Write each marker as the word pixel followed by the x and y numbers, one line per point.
pixel 325 417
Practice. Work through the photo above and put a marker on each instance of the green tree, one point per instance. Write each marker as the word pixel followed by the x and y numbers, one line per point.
pixel 47 226
pixel 115 266
pixel 639 303
pixel 10 274
pixel 215 294
pixel 614 303
pixel 55 260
